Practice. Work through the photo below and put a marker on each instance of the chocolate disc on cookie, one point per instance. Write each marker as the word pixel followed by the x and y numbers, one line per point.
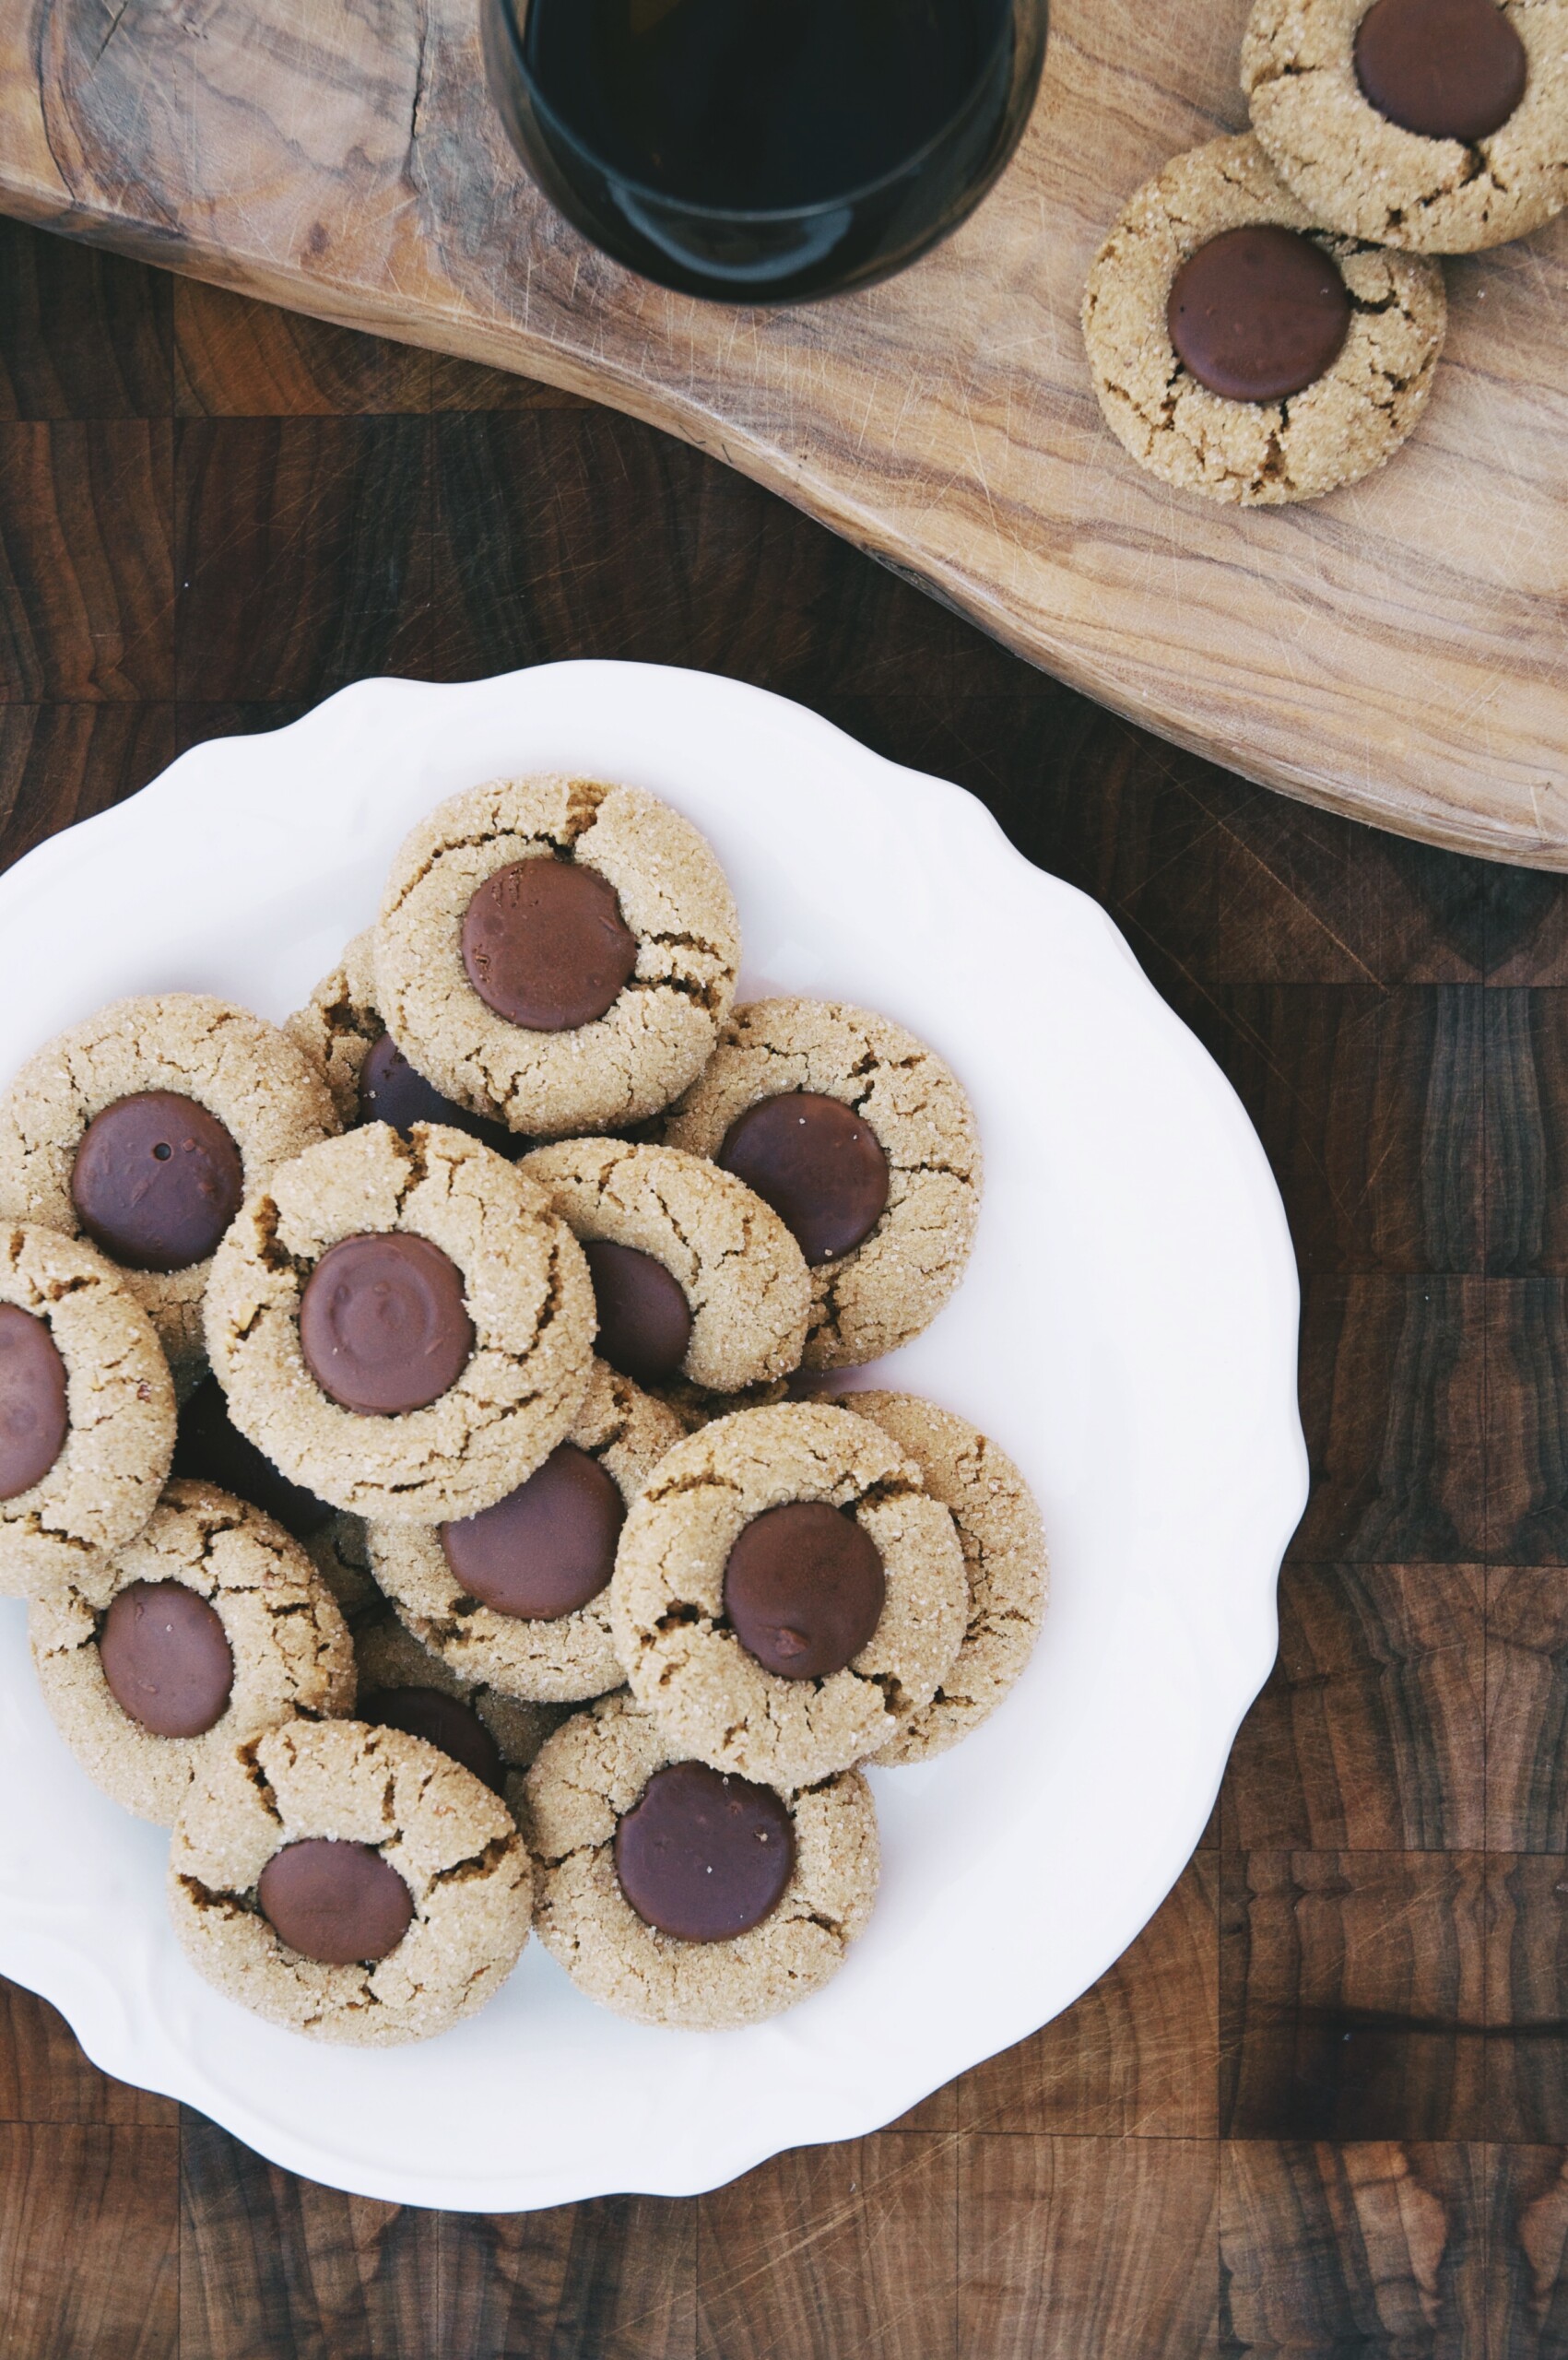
pixel 516 1597
pixel 709 1900
pixel 87 1408
pixel 1444 69
pixel 156 1181
pixel 167 1659
pixel 548 1547
pixel 383 1324
pixel 817 1164
pixel 558 950
pixel 334 1902
pixel 34 1415
pixel 858 1138
pixel 545 945
pixel 208 1628
pixel 804 1590
pixel 347 1881
pixel 1259 313
pixel 704 1857
pixel 644 1318
pixel 142 1128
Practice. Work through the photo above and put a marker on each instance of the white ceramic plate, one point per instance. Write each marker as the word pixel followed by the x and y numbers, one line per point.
pixel 1126 1329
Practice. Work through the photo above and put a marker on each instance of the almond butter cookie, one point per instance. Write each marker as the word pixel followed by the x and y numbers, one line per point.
pixel 211 1626
pixel 1241 350
pixel 87 1408
pixel 352 1884
pixel 696 1280
pixel 786 1593
pixel 144 1128
pixel 1004 1555
pixel 559 948
pixel 864 1144
pixel 402 1326
pixel 1437 126
pixel 519 1596
pixel 677 1894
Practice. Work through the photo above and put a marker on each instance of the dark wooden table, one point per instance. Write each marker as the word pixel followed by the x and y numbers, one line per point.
pixel 1321 2106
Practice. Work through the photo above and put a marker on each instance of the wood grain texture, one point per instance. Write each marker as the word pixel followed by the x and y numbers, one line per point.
pixel 1319 2110
pixel 1393 652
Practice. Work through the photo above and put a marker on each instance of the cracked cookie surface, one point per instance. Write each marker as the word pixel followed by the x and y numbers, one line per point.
pixel 686 1665
pixel 743 1275
pixel 890 1286
pixel 1004 1554
pixel 290 1647
pixel 1345 424
pixel 561 1662
pixel 261 1087
pixel 1371 178
pixel 452 1842
pixel 618 1069
pixel 586 1778
pixel 528 1295
pixel 114 1461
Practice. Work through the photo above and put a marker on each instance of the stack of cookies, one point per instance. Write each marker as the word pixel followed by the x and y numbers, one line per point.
pixel 1264 322
pixel 417 1441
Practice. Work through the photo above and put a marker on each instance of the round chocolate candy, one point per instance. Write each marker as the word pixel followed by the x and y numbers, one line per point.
pixel 166 1657
pixel 1445 69
pixel 156 1181
pixel 442 1721
pixel 338 1904
pixel 391 1090
pixel 383 1324
pixel 644 1318
pixel 545 946
pixel 817 1164
pixel 704 1857
pixel 548 1547
pixel 211 1448
pixel 1259 313
pixel 34 1414
pixel 804 1588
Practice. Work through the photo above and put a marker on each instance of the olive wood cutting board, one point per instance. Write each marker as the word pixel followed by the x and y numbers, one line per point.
pixel 1397 650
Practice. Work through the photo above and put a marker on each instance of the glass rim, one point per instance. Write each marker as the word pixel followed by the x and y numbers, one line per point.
pixel 771 215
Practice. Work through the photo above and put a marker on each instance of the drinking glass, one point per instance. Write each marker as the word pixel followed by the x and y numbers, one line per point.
pixel 764 151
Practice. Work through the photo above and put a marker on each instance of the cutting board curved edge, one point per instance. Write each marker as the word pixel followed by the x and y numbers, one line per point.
pixel 1396 652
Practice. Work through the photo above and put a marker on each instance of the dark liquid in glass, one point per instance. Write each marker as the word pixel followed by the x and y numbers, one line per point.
pixel 765 149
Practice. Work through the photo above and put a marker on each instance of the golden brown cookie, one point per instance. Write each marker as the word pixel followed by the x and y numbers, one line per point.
pixel 1004 1554
pixel 143 1128
pixel 802 1903
pixel 643 939
pixel 1341 426
pixel 891 1163
pixel 1370 176
pixel 87 1408
pixel 461 1588
pixel 726 1306
pixel 211 1626
pixel 452 1395
pixel 786 1592
pixel 428 1882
